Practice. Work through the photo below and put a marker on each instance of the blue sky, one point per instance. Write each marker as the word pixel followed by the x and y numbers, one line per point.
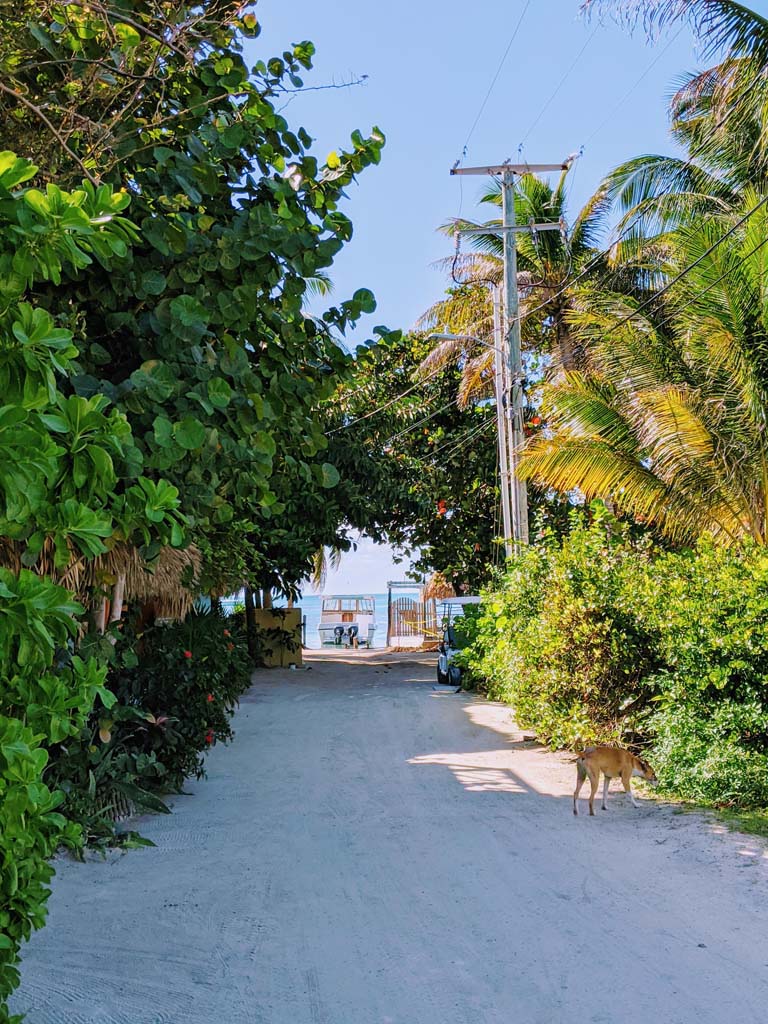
pixel 429 65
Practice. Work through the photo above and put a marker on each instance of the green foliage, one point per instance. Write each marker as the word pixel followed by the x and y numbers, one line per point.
pixel 710 609
pixel 41 703
pixel 560 638
pixel 423 470
pixel 69 474
pixel 186 682
pixel 197 333
pixel 603 638
pixel 400 464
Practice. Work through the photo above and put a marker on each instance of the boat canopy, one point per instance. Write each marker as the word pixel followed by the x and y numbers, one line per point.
pixel 348 603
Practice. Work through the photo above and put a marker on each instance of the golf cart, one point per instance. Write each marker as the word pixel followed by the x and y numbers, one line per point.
pixel 448 611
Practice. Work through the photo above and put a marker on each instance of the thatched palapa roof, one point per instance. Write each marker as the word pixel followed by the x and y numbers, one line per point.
pixel 165 581
pixel 438 587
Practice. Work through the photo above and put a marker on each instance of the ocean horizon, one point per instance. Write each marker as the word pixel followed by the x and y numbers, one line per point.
pixel 310 606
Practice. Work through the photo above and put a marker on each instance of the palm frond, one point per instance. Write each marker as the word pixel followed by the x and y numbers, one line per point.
pixel 445 353
pixel 476 379
pixel 472 268
pixel 719 24
pixel 655 192
pixel 319 284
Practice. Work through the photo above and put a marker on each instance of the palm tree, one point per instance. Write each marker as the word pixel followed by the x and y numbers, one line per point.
pixel 323 560
pixel 717 116
pixel 669 419
pixel 546 263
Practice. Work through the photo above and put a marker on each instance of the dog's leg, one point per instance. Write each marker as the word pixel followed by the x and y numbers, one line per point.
pixel 626 778
pixel 606 783
pixel 594 778
pixel 580 777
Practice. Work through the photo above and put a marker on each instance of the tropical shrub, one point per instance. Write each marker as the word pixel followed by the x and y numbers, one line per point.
pixel 69 484
pixel 605 638
pixel 186 683
pixel 560 639
pixel 709 612
pixel 42 702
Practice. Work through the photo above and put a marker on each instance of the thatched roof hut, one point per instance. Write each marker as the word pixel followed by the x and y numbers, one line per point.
pixel 167 582
pixel 438 587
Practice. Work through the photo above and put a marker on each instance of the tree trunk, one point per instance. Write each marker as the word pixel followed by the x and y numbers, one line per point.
pixel 118 593
pixel 99 613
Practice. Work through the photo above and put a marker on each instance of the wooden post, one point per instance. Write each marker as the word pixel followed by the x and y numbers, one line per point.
pixel 118 593
pixel 250 622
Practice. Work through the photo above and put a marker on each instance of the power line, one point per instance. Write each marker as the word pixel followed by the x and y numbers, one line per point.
pixel 465 441
pixel 691 266
pixel 496 76
pixel 386 405
pixel 601 255
pixel 679 309
pixel 418 423
pixel 559 85
pixel 632 88
pixel 480 113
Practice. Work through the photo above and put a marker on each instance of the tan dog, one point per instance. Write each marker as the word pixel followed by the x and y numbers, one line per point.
pixel 612 762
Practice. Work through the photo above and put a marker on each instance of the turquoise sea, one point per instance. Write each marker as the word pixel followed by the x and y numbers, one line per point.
pixel 310 607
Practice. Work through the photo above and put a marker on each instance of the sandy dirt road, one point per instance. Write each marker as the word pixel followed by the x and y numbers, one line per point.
pixel 372 852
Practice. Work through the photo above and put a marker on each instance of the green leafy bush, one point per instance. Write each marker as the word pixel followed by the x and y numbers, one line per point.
pixel 69 482
pixel 603 638
pixel 709 609
pixel 560 639
pixel 41 703
pixel 187 678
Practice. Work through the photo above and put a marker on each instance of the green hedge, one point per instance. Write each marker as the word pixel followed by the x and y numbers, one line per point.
pixel 603 637
pixel 176 687
pixel 42 702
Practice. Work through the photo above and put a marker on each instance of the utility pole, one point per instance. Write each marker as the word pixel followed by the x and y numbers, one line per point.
pixel 515 398
pixel 500 372
pixel 500 375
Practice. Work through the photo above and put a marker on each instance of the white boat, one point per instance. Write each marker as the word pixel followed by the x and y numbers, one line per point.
pixel 347 620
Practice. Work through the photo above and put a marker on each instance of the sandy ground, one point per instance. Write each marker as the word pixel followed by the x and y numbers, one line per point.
pixel 370 851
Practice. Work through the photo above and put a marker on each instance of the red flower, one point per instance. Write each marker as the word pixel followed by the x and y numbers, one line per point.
pixel 230 647
pixel 209 737
pixel 227 633
pixel 209 698
pixel 187 654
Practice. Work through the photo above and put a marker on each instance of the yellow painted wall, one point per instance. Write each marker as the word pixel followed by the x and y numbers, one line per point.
pixel 281 618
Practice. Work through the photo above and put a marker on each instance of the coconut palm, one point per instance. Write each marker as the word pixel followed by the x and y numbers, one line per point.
pixel 323 560
pixel 669 419
pixel 547 261
pixel 717 116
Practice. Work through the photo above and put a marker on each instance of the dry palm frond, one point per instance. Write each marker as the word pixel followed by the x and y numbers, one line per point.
pixel 477 379
pixel 445 353
pixel 165 581
pixel 438 587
